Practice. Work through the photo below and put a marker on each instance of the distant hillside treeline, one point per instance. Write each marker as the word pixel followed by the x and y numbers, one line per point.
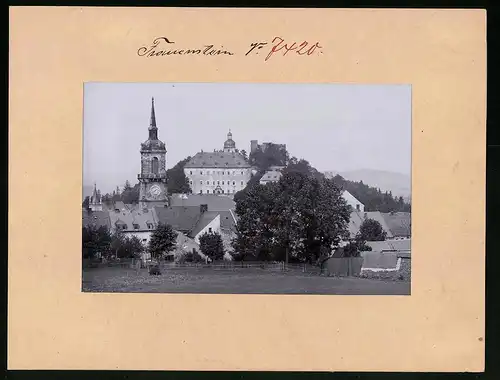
pixel 373 198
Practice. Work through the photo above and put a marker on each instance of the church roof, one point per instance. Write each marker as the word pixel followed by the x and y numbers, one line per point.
pixel 217 160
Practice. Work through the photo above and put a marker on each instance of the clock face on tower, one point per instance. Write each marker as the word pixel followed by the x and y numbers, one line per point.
pixel 155 191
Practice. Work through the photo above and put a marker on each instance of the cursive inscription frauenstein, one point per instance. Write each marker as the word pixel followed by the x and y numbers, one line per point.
pixel 162 46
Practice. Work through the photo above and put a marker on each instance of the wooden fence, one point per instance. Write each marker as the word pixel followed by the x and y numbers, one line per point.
pixel 222 265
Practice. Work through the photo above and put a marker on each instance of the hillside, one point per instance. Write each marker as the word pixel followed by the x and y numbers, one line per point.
pixel 397 183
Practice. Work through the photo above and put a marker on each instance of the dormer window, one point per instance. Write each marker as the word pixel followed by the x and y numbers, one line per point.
pixel 136 226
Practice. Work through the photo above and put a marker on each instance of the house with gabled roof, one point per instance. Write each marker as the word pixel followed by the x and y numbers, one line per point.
pixel 133 220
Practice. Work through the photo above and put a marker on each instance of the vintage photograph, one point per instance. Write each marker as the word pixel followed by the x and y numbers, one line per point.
pixel 246 188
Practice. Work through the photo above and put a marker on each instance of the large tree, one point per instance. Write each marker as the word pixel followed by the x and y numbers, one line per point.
pixel 95 240
pixel 130 194
pixel 163 240
pixel 273 155
pixel 299 217
pixel 211 245
pixel 371 230
pixel 177 180
pixel 86 202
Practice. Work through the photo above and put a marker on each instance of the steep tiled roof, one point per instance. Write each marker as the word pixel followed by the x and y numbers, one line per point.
pixel 227 220
pixel 203 221
pixel 134 220
pixel 357 219
pixel 399 223
pixel 181 218
pixel 213 201
pixel 217 160
pixel 96 218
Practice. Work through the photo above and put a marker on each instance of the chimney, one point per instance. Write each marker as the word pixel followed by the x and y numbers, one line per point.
pixel 203 208
pixel 253 145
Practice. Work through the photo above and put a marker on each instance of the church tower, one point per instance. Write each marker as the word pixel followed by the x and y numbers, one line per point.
pixel 153 176
pixel 95 203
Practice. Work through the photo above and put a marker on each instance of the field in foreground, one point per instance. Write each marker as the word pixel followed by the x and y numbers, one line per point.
pixel 247 281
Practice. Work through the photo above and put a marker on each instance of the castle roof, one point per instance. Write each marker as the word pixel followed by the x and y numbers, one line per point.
pixel 218 160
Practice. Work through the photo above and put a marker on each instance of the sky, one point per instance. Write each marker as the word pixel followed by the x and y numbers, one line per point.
pixel 338 127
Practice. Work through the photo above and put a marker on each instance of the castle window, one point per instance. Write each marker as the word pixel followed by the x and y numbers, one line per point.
pixel 357 207
pixel 208 182
pixel 214 191
pixel 234 183
pixel 222 173
pixel 190 172
pixel 217 182
pixel 201 172
pixel 210 229
pixel 208 191
pixel 241 183
pixel 214 182
pixel 242 173
pixel 201 191
pixel 201 182
pixel 155 165
pixel 190 182
pixel 222 191
pixel 223 182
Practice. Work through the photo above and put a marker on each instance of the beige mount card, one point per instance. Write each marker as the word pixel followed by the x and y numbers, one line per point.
pixel 52 324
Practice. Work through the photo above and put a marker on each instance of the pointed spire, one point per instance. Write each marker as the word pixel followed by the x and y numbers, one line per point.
pixel 94 194
pixel 152 122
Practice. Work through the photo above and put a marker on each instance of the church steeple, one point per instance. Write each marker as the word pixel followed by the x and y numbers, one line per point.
pixel 153 130
pixel 95 203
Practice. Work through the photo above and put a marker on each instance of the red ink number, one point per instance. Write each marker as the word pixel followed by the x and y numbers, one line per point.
pixel 301 49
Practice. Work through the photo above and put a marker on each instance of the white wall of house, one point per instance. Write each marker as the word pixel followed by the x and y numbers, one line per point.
pixel 353 202
pixel 213 226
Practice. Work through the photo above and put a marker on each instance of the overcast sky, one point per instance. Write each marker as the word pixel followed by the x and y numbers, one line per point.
pixel 335 127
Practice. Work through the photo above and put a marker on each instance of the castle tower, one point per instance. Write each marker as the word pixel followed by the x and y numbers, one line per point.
pixel 153 176
pixel 95 203
pixel 229 144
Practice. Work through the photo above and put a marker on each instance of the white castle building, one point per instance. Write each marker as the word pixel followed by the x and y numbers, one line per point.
pixel 219 172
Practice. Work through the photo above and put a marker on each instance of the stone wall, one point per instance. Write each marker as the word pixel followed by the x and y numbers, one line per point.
pixel 403 274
